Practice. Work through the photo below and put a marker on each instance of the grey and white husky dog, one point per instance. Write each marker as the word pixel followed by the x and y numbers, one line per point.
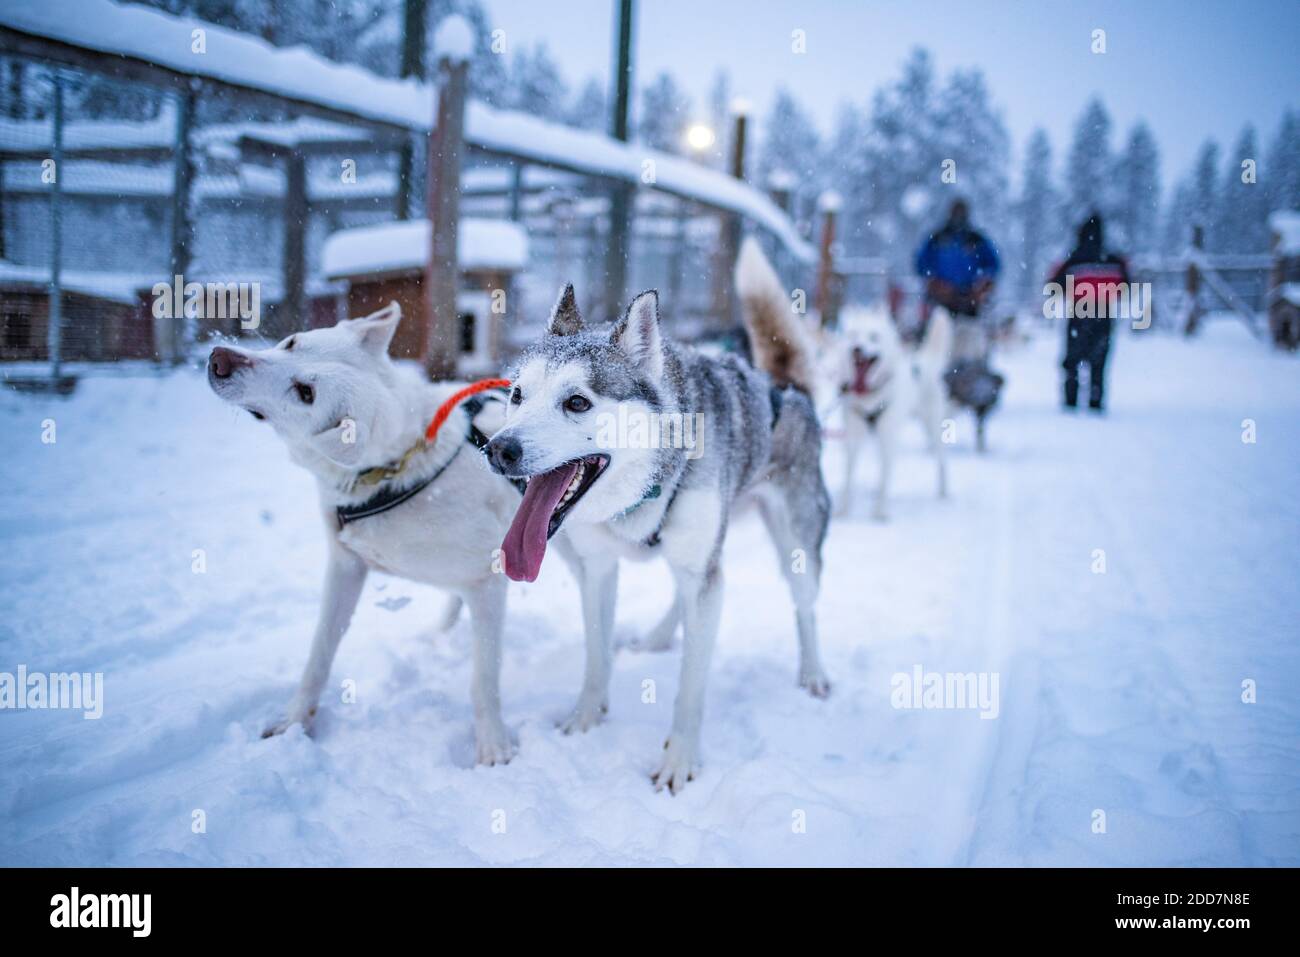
pixel 620 496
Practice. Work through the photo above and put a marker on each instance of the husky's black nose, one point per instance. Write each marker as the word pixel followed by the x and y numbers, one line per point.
pixel 223 362
pixel 504 453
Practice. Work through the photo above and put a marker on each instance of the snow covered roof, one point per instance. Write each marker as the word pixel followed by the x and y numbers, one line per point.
pixel 300 74
pixel 403 246
pixel 1286 223
pixel 114 180
pixel 1288 292
pixel 113 286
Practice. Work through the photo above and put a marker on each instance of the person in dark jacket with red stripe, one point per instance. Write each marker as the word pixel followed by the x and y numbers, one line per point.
pixel 1094 279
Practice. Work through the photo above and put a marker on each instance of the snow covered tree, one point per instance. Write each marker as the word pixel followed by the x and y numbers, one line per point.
pixel 665 112
pixel 1280 174
pixel 790 147
pixel 971 134
pixel 1205 189
pixel 848 167
pixel 535 84
pixel 720 117
pixel 1241 225
pixel 1088 166
pixel 1177 232
pixel 590 109
pixel 906 160
pixel 1137 180
pixel 1036 215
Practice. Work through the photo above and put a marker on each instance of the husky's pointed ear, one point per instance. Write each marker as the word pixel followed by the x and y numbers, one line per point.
pixel 637 333
pixel 565 318
pixel 376 330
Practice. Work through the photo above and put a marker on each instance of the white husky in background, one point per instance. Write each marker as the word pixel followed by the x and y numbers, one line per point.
pixel 882 384
pixel 430 513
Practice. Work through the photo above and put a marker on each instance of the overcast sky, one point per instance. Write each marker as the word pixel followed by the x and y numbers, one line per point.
pixel 1191 68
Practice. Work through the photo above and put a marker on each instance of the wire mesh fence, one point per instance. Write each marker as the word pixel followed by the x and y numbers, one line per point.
pixel 137 220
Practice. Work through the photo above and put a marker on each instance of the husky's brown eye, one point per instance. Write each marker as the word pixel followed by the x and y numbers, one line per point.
pixel 516 396
pixel 305 392
pixel 288 344
pixel 577 403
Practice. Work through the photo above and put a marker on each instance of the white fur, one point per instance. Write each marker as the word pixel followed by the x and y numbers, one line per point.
pixel 905 384
pixel 445 536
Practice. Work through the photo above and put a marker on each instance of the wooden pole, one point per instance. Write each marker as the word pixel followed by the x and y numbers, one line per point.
pixel 180 335
pixel 54 334
pixel 293 303
pixel 415 21
pixel 620 199
pixel 724 300
pixel 1194 283
pixel 441 276
pixel 825 297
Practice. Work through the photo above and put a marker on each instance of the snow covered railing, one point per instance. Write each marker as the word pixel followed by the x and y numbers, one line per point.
pixel 195 48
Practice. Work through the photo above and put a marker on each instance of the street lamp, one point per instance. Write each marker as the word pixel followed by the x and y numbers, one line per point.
pixel 700 137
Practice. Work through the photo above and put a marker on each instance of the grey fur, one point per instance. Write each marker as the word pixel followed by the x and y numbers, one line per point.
pixel 744 453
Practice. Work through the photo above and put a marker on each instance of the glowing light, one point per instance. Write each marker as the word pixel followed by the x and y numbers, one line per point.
pixel 699 137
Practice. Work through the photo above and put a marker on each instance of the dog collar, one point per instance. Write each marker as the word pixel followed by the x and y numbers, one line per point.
pixel 382 473
pixel 390 496
pixel 654 492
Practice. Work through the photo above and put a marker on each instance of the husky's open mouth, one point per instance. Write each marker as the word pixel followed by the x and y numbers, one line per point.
pixel 547 500
pixel 862 368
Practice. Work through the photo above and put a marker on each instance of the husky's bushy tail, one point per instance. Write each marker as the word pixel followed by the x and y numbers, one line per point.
pixel 778 341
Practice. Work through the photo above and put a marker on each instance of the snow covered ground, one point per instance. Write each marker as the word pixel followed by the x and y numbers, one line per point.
pixel 1119 692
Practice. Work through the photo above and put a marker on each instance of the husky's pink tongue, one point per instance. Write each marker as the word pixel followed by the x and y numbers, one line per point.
pixel 525 543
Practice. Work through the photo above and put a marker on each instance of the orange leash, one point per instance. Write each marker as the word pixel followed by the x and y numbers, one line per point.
pixel 458 397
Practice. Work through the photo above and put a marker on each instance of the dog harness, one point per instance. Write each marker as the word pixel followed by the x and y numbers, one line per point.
pixel 388 496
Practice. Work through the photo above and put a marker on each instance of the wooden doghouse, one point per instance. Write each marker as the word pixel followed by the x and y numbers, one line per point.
pixel 386 262
pixel 105 316
pixel 1284 280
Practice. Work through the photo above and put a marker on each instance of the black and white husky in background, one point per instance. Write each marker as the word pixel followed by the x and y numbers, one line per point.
pixel 427 512
pixel 759 437
pixel 883 384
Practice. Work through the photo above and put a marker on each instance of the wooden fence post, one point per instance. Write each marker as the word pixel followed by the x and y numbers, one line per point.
pixel 54 334
pixel 414 25
pixel 442 273
pixel 1194 283
pixel 618 245
pixel 179 335
pixel 724 298
pixel 293 302
pixel 827 306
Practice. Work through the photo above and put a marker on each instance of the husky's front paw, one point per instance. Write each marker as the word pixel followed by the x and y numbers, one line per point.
pixel 297 714
pixel 586 714
pixel 679 765
pixel 815 683
pixel 493 743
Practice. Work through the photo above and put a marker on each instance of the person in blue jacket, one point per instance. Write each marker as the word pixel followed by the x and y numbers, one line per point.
pixel 958 264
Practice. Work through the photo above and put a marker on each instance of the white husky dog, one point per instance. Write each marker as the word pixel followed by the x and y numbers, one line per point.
pixel 882 385
pixel 431 513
